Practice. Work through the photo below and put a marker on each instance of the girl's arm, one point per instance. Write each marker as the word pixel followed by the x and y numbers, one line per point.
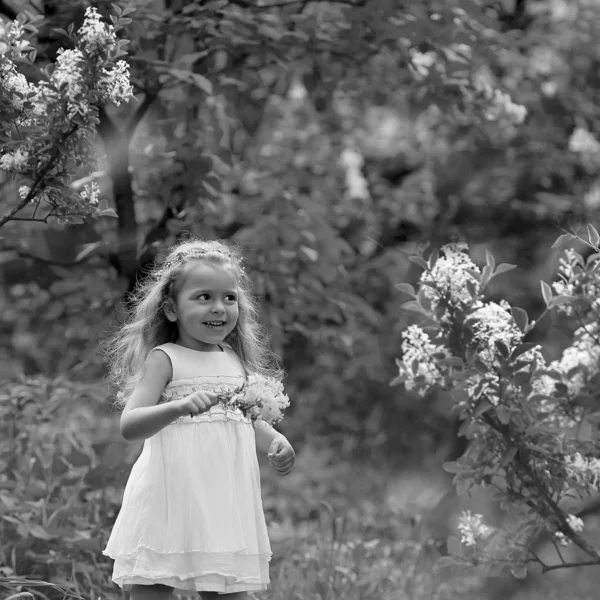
pixel 265 434
pixel 142 416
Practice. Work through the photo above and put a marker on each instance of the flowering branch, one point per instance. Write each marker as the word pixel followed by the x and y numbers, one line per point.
pixel 521 415
pixel 58 115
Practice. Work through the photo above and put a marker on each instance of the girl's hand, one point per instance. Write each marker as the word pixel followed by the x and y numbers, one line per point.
pixel 281 455
pixel 197 403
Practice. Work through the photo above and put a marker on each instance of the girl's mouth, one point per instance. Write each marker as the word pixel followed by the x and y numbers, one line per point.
pixel 215 324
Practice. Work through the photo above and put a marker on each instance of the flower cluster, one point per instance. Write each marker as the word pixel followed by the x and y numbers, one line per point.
pixel 90 193
pixel 452 277
pixel 94 35
pixel 511 400
pixel 583 470
pixel 492 323
pixel 420 367
pixel 472 528
pixel 575 524
pixel 60 112
pixel 574 281
pixel 17 161
pixel 580 362
pixel 260 397
pixel 499 104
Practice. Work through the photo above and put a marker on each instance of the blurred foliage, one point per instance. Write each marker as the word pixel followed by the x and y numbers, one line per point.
pixel 319 138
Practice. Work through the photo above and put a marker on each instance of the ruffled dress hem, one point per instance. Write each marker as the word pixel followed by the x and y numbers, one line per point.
pixel 216 577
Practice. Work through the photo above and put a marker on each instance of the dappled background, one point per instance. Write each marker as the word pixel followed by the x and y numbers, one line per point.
pixel 328 140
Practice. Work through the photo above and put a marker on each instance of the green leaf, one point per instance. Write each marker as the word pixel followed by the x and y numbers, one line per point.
pixel 503 415
pixel 508 456
pixel 419 261
pixel 413 305
pixel 452 467
pixel 504 268
pixel 546 292
pixel 521 318
pixel 563 239
pixel 593 235
pixel 107 212
pixel 445 562
pixel 406 288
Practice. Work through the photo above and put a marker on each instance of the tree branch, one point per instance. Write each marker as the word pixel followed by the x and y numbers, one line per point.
pixel 140 112
pixel 11 213
pixel 47 261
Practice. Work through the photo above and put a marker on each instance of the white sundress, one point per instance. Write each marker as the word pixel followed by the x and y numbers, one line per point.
pixel 192 515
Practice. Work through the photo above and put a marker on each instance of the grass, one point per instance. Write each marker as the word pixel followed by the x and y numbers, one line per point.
pixel 344 531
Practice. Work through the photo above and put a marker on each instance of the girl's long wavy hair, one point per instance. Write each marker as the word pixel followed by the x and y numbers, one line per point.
pixel 146 325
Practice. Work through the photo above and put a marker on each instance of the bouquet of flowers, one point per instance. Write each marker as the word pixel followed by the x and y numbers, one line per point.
pixel 259 396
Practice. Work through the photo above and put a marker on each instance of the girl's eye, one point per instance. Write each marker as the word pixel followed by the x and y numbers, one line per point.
pixel 232 298
pixel 203 297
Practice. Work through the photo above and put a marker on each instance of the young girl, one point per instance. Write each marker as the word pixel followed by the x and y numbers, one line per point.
pixel 191 519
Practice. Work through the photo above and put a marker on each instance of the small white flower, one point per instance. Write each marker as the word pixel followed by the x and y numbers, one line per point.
pixel 472 528
pixel 90 193
pixel 491 323
pixel 584 353
pixel 575 523
pixel 23 191
pixel 15 162
pixel 94 34
pixel 451 277
pixel 261 397
pixel 583 470
pixel 114 83
pixel 562 539
pixel 419 368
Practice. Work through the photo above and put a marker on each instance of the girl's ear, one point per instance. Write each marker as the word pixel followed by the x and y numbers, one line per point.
pixel 169 310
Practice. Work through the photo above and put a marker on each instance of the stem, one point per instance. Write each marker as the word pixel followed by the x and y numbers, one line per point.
pixel 551 506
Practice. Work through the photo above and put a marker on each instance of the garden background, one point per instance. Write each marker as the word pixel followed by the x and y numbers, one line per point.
pixel 329 140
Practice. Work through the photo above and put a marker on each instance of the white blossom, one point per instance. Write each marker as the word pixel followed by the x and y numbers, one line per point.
pixel 472 528
pixel 261 397
pixel 584 354
pixel 583 470
pixel 90 193
pixel 575 523
pixel 69 78
pixel 114 83
pixel 15 161
pixel 94 34
pixel 450 276
pixel 23 191
pixel 14 84
pixel 491 323
pixel 418 368
pixel 499 104
pixel 561 538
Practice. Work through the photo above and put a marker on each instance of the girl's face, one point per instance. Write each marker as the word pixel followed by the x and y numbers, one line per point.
pixel 206 308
